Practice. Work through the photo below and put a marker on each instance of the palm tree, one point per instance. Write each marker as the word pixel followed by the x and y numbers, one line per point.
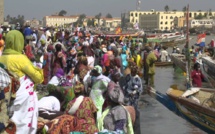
pixel 184 9
pixel 166 8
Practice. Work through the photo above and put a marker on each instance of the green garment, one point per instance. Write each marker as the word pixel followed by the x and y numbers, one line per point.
pixel 14 43
pixel 151 58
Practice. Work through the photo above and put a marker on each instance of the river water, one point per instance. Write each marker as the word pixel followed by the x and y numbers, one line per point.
pixel 155 118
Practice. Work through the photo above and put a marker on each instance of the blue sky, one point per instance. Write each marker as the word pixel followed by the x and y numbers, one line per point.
pixel 39 8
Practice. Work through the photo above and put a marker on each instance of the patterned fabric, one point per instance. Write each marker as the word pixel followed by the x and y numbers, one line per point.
pixel 133 89
pixel 85 112
pixel 67 91
pixel 4 79
pixel 47 68
pixel 116 119
pixel 25 107
pixel 79 88
pixel 63 125
pixel 28 52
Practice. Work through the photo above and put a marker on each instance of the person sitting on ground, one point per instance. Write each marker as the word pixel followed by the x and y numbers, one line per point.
pixel 50 105
pixel 83 108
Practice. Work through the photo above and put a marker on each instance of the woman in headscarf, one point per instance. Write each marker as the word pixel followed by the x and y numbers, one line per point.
pixel 47 64
pixel 99 86
pixel 59 59
pixel 25 106
pixel 133 86
pixel 115 117
pixel 83 108
pixel 88 51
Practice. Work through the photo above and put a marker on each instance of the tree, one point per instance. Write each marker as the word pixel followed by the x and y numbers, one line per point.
pixel 90 22
pixel 108 15
pixel 62 13
pixel 184 9
pixel 166 8
pixel 210 12
pixel 81 19
pixel 200 16
pixel 98 17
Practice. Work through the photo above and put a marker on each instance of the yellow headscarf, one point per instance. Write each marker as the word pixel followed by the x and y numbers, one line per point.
pixel 14 43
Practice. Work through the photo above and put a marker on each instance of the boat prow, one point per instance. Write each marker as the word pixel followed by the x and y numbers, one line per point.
pixel 196 106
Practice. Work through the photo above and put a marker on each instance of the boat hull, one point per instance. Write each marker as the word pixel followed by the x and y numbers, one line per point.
pixel 179 61
pixel 201 116
pixel 208 67
pixel 163 63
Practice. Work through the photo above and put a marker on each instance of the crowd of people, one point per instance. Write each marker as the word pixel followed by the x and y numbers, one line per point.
pixel 94 82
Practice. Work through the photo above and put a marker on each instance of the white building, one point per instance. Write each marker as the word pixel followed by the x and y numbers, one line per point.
pixel 56 20
pixel 208 23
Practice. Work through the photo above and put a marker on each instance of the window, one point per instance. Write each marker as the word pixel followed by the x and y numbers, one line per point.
pixel 166 17
pixel 161 17
pixel 140 14
pixel 135 14
pixel 166 22
pixel 132 14
pixel 161 22
pixel 171 17
pixel 161 27
pixel 193 23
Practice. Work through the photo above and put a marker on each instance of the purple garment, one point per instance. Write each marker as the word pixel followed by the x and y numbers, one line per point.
pixel 59 72
pixel 119 125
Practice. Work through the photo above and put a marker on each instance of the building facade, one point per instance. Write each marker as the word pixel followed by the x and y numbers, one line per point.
pixel 56 20
pixel 166 19
pixel 207 23
pixel 149 22
pixel 1 12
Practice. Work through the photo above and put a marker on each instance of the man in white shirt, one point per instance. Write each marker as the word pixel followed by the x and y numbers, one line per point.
pixel 164 55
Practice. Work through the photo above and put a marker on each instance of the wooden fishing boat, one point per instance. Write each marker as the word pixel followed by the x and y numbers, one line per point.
pixel 195 105
pixel 167 63
pixel 208 69
pixel 178 60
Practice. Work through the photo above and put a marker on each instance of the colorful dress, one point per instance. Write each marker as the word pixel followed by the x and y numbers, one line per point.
pixel 85 112
pixel 133 84
pixel 47 67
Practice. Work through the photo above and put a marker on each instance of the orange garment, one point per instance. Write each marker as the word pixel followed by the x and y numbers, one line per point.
pixel 1 45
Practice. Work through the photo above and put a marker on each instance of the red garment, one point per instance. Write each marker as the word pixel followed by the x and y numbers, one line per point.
pixel 197 77
pixel 28 51
pixel 212 43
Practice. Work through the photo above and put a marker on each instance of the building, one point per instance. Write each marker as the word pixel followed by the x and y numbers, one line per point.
pixel 1 12
pixel 111 22
pixel 55 20
pixel 32 23
pixel 207 23
pixel 149 22
pixel 166 19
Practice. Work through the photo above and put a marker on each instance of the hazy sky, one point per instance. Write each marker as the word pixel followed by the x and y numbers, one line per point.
pixel 40 8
